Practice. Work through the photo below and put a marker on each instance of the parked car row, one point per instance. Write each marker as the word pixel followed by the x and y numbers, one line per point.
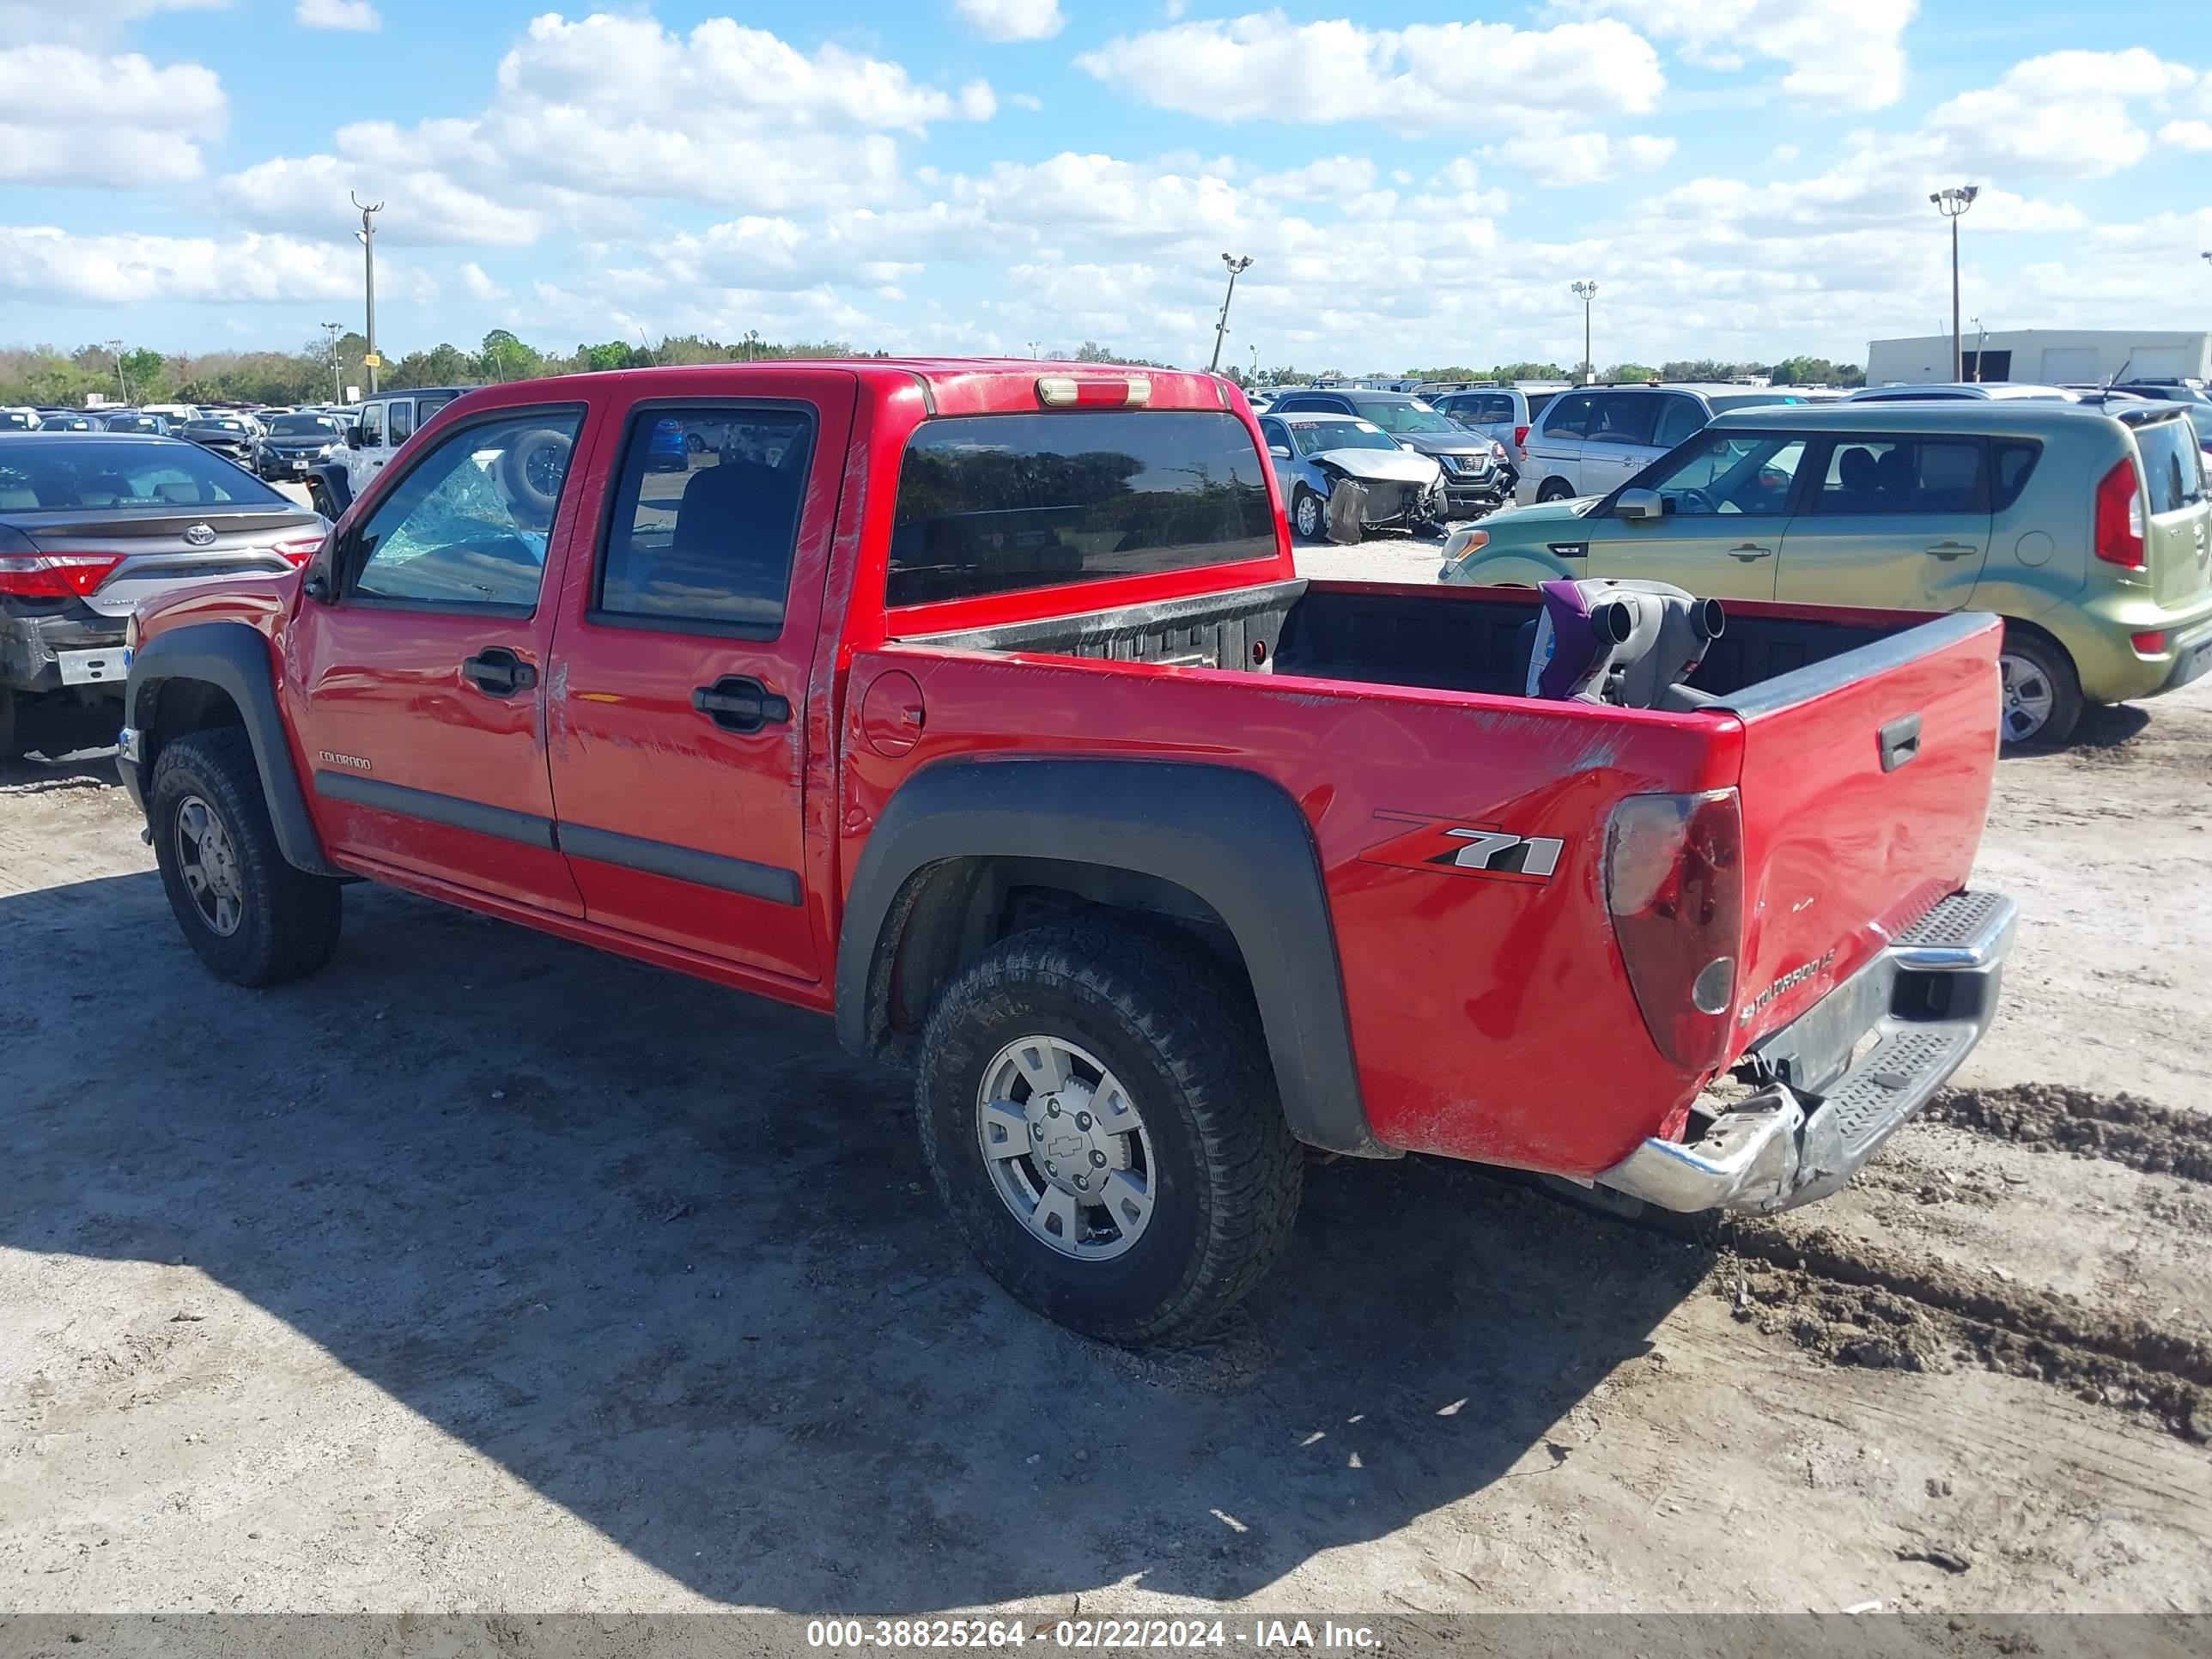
pixel 94 524
pixel 2084 521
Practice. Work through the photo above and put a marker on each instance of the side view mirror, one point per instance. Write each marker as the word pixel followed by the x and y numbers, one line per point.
pixel 353 437
pixel 1636 505
pixel 317 587
pixel 1280 452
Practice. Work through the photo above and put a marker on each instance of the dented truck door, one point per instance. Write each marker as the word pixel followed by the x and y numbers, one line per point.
pixel 676 725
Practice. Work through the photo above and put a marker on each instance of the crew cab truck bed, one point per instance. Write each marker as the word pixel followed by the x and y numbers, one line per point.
pixel 981 705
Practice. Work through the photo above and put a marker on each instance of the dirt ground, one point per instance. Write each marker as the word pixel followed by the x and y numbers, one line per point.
pixel 482 1271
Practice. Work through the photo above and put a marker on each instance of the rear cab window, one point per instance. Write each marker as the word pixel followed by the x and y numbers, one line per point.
pixel 991 504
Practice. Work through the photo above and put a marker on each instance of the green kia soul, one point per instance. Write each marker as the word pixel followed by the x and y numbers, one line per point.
pixel 2087 528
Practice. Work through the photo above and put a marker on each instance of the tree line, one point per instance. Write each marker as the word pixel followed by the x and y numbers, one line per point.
pixel 324 370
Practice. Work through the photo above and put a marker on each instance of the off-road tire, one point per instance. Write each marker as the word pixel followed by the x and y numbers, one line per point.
pixel 289 925
pixel 1185 1041
pixel 2067 703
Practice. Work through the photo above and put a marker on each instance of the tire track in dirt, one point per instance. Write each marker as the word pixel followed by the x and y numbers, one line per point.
pixel 1859 1303
pixel 2121 1128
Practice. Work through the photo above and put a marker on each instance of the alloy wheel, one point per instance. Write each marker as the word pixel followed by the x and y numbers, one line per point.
pixel 1067 1152
pixel 2028 698
pixel 208 861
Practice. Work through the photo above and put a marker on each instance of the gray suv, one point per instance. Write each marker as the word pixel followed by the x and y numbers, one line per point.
pixel 1476 477
pixel 1590 441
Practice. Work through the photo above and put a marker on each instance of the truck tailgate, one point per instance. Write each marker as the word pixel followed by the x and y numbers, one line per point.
pixel 1865 780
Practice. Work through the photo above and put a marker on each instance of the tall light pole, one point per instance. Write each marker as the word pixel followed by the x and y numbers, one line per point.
pixel 1981 349
pixel 1952 203
pixel 1236 267
pixel 115 349
pixel 332 330
pixel 1586 292
pixel 367 234
pixel 1036 348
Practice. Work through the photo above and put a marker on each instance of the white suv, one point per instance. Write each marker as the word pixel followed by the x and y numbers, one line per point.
pixel 385 422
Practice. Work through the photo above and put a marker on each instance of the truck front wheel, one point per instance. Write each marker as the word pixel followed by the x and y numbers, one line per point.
pixel 254 919
pixel 1098 1114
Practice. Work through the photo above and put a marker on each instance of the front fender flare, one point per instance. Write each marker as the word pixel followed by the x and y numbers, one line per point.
pixel 234 658
pixel 1231 837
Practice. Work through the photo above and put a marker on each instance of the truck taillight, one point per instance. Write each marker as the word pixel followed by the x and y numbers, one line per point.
pixel 1089 392
pixel 1673 881
pixel 56 576
pixel 2120 517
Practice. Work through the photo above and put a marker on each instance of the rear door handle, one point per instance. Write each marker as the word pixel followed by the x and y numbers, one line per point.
pixel 737 703
pixel 1749 552
pixel 498 672
pixel 1952 549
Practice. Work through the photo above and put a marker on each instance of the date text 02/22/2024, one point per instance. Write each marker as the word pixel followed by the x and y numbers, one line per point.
pixel 988 1635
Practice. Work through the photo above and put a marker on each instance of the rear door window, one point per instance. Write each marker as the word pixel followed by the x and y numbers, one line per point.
pixel 1002 503
pixel 705 519
pixel 1570 416
pixel 1625 417
pixel 2015 463
pixel 1917 476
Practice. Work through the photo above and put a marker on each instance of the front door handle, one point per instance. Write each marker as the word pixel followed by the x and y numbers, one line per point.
pixel 737 703
pixel 1952 549
pixel 498 672
pixel 1749 552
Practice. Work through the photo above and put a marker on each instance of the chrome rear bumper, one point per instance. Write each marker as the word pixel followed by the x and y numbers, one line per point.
pixel 1924 1003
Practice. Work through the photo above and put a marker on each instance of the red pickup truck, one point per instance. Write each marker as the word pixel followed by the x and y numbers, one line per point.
pixel 979 704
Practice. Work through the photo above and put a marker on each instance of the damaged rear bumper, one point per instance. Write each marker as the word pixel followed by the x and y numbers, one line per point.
pixel 1846 1077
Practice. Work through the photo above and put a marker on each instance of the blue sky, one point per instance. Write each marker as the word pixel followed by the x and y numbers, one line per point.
pixel 1744 178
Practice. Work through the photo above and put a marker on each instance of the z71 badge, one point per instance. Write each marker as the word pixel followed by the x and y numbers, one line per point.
pixel 1467 849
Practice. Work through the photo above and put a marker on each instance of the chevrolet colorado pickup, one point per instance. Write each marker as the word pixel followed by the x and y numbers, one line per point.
pixel 979 704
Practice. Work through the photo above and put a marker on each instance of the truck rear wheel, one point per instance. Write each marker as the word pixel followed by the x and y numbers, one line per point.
pixel 1098 1114
pixel 252 917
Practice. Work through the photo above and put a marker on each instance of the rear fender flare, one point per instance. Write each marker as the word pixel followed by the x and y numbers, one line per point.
pixel 234 658
pixel 1230 838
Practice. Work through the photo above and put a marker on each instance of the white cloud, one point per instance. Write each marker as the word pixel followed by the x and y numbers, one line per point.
pixel 1556 161
pixel 590 117
pixel 1012 19
pixel 2186 134
pixel 40 262
pixel 83 22
pixel 1263 66
pixel 2071 114
pixel 358 15
pixel 1846 54
pixel 145 121
pixel 313 193
pixel 1331 179
pixel 476 284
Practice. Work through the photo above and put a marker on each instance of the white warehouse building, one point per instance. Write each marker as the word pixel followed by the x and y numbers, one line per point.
pixel 2044 356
